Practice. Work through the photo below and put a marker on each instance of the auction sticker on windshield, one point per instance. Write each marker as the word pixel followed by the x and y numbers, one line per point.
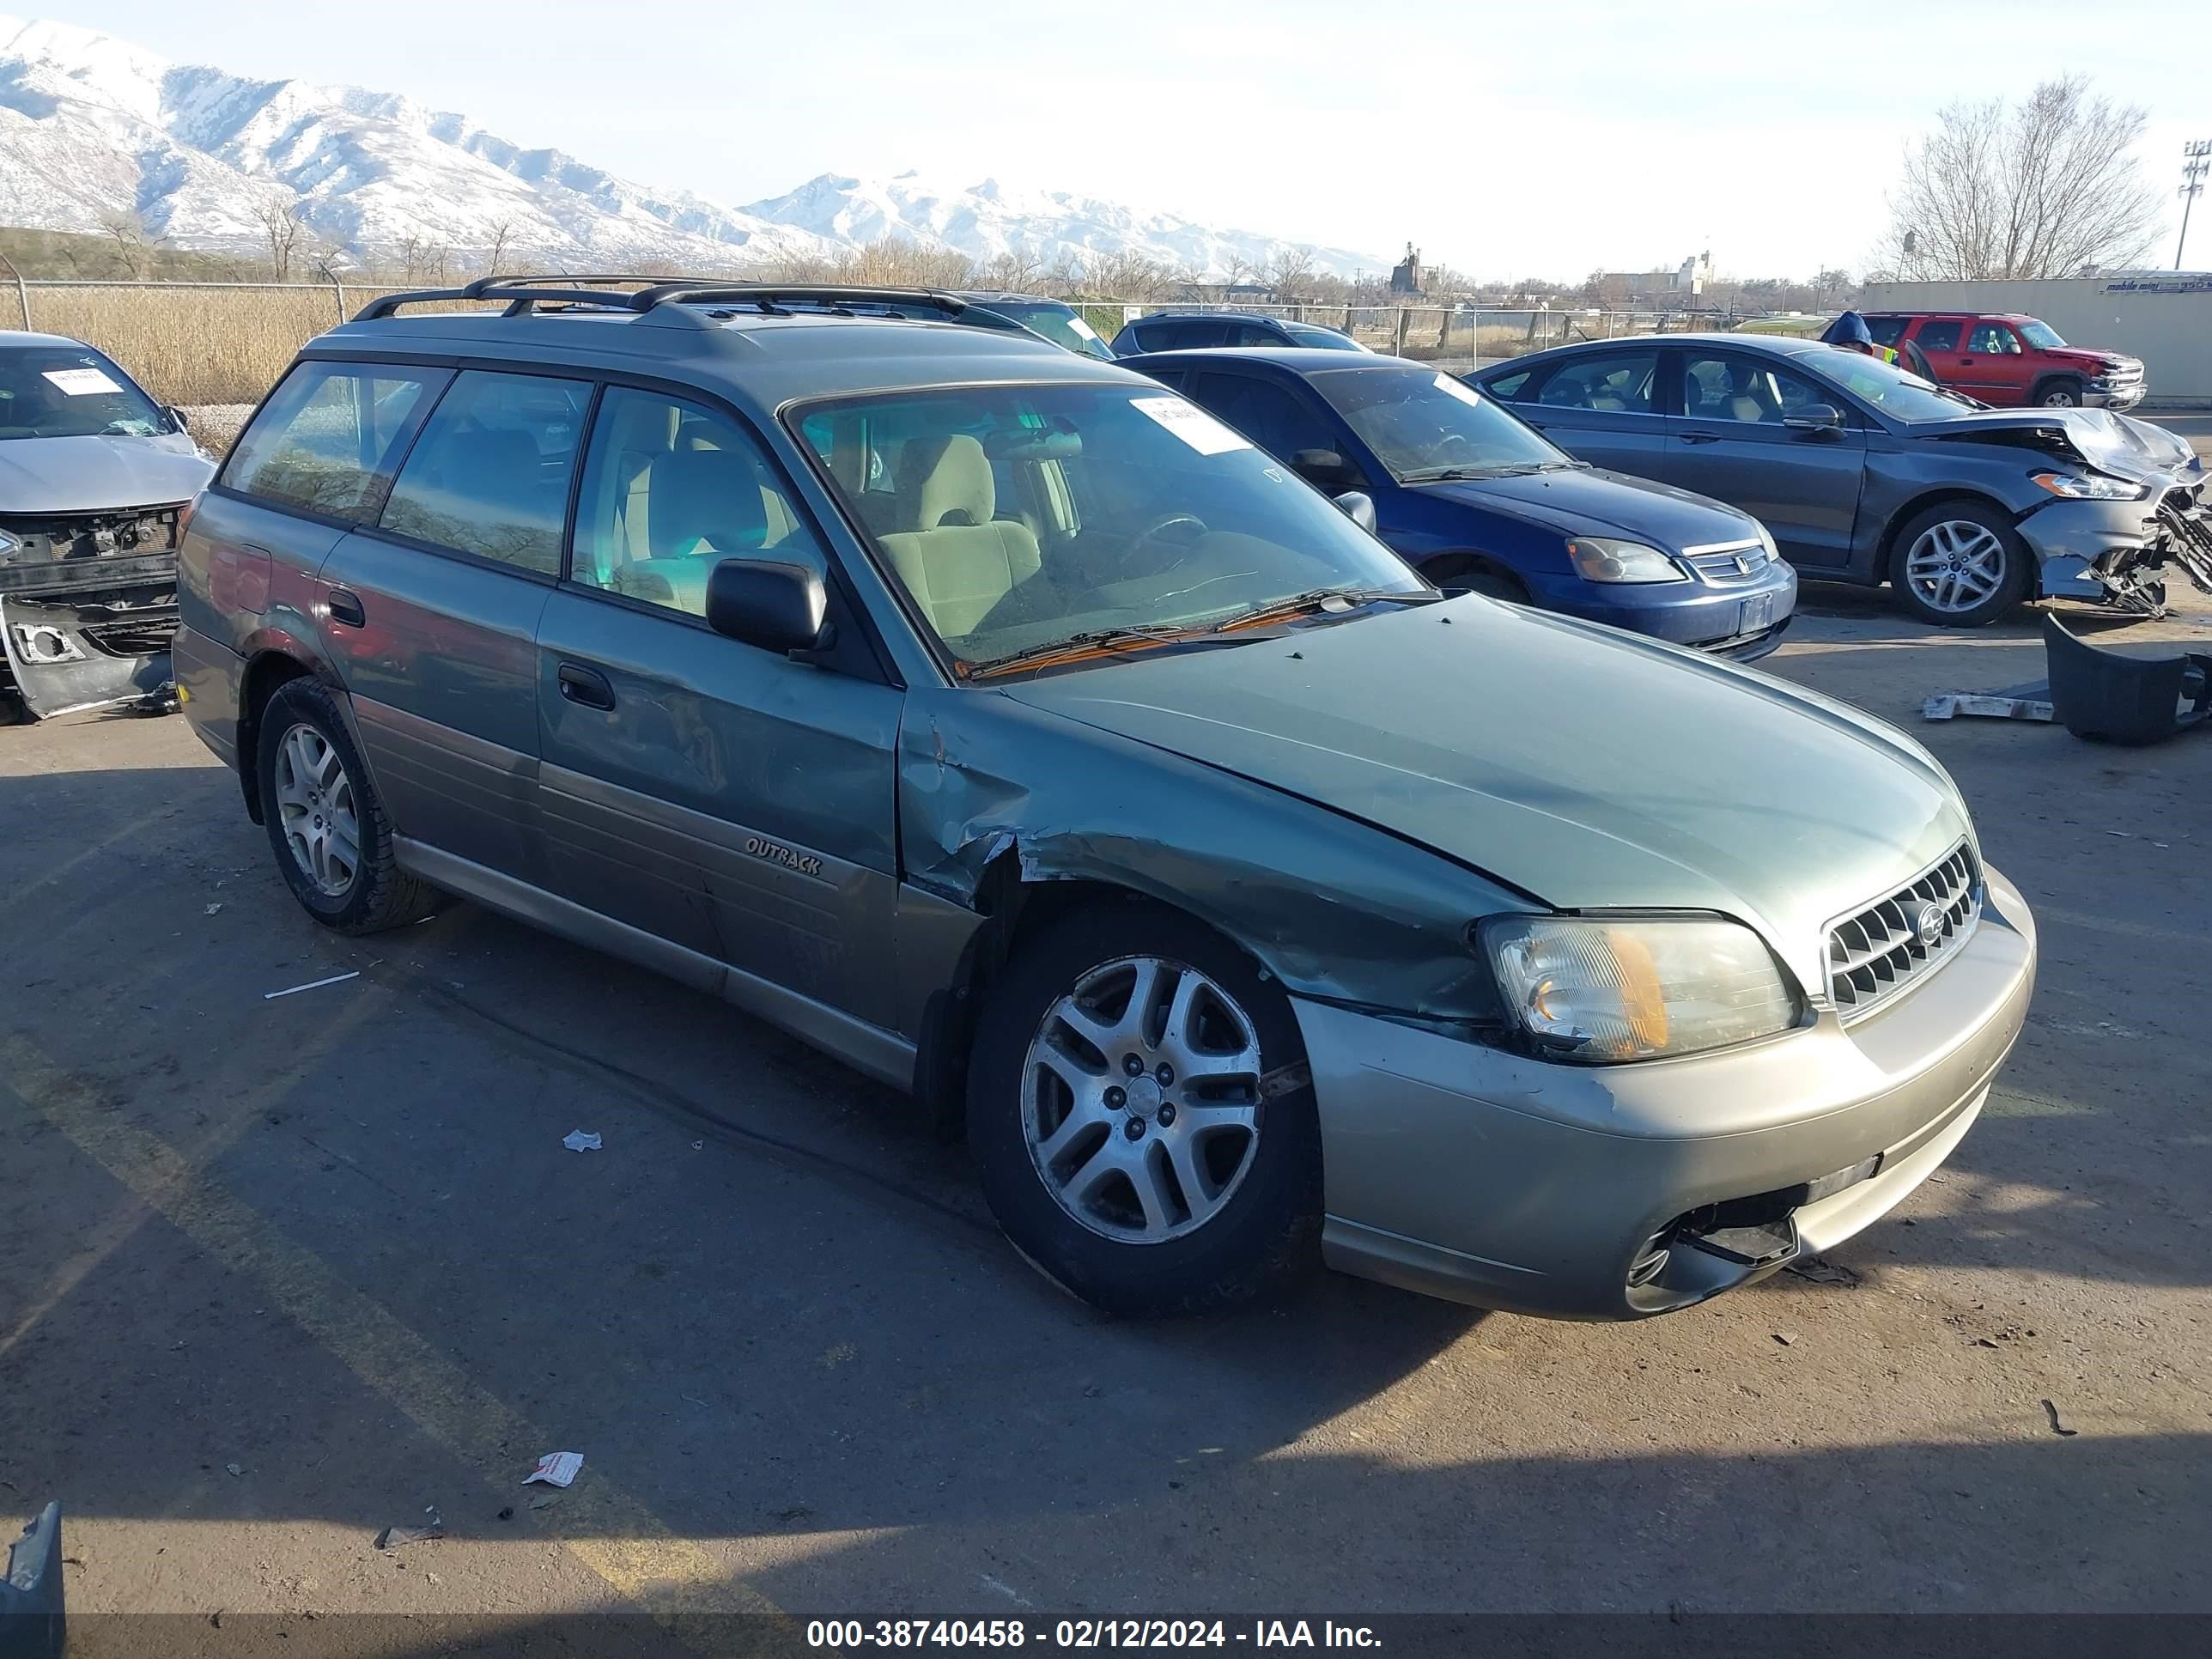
pixel 1192 424
pixel 81 382
pixel 1459 389
pixel 1083 328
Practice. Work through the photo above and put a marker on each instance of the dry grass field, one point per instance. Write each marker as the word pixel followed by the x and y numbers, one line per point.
pixel 202 345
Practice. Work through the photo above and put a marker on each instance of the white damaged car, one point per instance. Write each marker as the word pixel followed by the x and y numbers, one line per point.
pixel 95 478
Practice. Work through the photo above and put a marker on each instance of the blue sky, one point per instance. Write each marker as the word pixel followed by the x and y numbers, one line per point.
pixel 1508 140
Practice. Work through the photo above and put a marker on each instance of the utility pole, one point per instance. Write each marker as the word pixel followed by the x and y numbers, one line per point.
pixel 2195 161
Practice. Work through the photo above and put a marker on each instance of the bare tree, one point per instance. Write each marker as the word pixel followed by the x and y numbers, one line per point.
pixel 282 218
pixel 1290 273
pixel 501 234
pixel 134 244
pixel 2047 187
pixel 1014 271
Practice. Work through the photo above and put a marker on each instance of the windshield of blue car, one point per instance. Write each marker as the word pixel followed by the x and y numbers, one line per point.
pixel 1895 391
pixel 1422 423
pixel 2041 336
pixel 70 391
pixel 1061 324
pixel 1017 518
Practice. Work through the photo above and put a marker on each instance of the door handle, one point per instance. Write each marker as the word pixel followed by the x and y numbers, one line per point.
pixel 1963 361
pixel 586 686
pixel 345 607
pixel 1699 437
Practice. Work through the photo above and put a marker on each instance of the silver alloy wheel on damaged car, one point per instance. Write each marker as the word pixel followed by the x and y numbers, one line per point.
pixel 316 810
pixel 1140 1099
pixel 1955 565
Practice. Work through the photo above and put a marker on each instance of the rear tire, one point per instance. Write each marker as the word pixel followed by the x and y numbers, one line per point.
pixel 1224 1210
pixel 325 824
pixel 1960 564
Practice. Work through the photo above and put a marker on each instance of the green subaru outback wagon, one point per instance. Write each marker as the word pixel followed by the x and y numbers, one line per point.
pixel 1011 729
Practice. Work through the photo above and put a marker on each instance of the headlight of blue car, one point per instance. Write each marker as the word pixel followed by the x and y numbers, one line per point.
pixel 1601 559
pixel 1599 990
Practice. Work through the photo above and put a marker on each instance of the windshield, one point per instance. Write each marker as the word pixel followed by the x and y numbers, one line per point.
pixel 1323 339
pixel 1897 392
pixel 72 391
pixel 1018 518
pixel 1424 424
pixel 1061 324
pixel 2041 336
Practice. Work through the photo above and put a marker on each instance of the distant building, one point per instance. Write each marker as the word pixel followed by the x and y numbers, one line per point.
pixel 1685 281
pixel 1406 274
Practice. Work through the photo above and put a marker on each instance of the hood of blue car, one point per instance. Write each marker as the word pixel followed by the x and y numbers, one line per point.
pixel 1591 501
pixel 1590 767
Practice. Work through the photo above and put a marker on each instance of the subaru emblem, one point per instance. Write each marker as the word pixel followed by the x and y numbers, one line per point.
pixel 1928 924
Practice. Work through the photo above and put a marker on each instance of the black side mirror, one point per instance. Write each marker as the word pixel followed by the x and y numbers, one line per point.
pixel 1818 419
pixel 178 415
pixel 1326 470
pixel 777 607
pixel 1359 508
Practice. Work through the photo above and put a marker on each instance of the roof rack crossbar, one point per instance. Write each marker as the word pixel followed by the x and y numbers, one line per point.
pixel 522 294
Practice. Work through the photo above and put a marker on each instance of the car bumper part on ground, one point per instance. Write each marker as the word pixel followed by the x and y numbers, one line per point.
pixel 1742 620
pixel 1481 1176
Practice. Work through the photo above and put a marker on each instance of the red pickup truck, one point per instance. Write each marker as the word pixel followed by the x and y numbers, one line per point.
pixel 2006 359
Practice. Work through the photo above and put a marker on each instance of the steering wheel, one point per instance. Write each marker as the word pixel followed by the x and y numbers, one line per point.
pixel 1448 446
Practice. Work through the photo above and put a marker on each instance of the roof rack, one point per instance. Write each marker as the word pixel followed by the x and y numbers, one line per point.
pixel 524 294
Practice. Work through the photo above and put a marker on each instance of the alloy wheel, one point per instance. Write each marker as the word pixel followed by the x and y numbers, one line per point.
pixel 2061 399
pixel 1140 1100
pixel 1956 565
pixel 315 808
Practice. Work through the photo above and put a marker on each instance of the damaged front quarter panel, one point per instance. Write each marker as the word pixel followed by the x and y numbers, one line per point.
pixel 1336 909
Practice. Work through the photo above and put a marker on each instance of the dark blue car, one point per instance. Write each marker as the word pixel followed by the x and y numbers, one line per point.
pixel 1474 498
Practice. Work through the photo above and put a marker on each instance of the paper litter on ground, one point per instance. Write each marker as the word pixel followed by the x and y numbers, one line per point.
pixel 556 1469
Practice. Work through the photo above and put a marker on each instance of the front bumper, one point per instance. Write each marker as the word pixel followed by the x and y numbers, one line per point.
pixel 1482 1177
pixel 89 634
pixel 1741 619
pixel 2117 398
pixel 2068 540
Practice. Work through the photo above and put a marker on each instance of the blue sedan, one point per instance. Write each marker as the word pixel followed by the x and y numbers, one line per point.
pixel 1473 497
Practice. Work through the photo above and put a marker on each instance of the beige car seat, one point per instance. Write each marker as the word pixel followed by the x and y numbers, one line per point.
pixel 955 559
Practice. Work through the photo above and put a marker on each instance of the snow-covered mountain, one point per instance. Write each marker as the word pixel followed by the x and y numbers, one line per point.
pixel 987 220
pixel 91 127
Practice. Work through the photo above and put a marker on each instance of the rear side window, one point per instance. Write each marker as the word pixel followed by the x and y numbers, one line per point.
pixel 1887 330
pixel 1615 383
pixel 489 475
pixel 1938 334
pixel 1508 387
pixel 322 442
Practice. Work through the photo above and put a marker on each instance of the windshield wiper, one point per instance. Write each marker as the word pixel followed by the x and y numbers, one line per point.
pixel 1314 598
pixel 1090 642
pixel 1509 470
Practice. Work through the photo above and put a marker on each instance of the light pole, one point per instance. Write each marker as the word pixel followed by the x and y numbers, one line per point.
pixel 2195 160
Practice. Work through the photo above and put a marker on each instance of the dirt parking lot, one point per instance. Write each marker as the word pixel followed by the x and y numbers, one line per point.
pixel 280 1273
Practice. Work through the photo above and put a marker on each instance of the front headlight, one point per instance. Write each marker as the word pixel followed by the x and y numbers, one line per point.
pixel 2091 487
pixel 1766 541
pixel 8 544
pixel 1602 560
pixel 1596 990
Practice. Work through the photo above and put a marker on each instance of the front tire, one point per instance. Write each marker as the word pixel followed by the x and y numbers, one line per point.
pixel 325 822
pixel 1141 1124
pixel 1960 564
pixel 2059 394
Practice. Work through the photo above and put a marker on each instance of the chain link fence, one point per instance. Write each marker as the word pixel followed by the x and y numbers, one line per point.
pixel 202 343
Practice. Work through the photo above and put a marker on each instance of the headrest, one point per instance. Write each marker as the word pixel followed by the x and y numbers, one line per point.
pixel 710 495
pixel 945 480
